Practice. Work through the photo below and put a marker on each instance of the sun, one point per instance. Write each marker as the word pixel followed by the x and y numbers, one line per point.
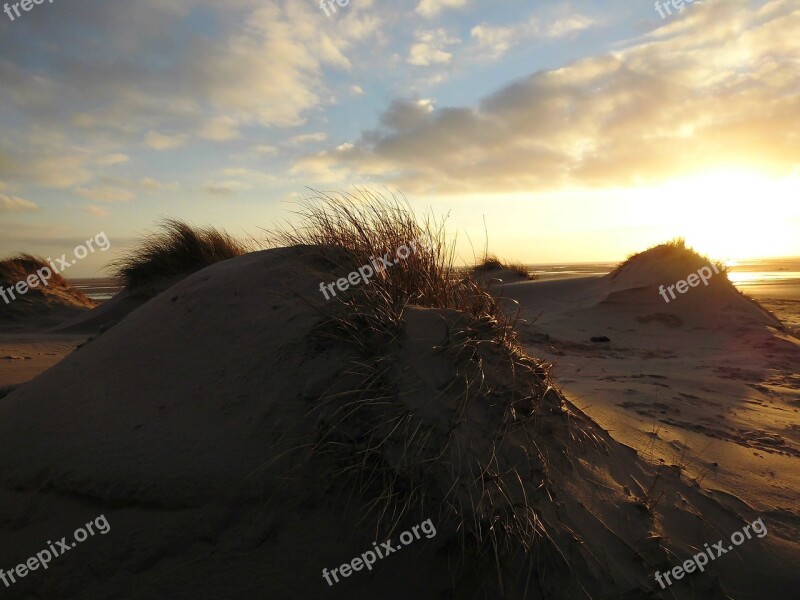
pixel 732 214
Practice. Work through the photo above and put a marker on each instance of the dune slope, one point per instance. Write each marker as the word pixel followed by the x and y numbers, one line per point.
pixel 239 435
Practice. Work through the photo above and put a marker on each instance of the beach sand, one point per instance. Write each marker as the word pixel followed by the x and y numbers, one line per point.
pixel 709 382
pixel 193 425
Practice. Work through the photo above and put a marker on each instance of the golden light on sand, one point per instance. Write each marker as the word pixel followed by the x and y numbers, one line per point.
pixel 730 214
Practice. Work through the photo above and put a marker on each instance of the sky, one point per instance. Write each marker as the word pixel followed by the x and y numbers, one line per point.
pixel 568 131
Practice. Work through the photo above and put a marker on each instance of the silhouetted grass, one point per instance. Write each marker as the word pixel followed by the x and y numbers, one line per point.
pixel 369 224
pixel 490 262
pixel 18 267
pixel 177 249
pixel 369 402
pixel 675 249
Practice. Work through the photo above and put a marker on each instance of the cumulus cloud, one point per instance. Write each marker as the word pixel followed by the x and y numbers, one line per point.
pixel 221 129
pixel 113 159
pixel 265 150
pixel 124 189
pixel 160 141
pixel 15 204
pixel 429 48
pixel 717 88
pixel 232 180
pixel 226 188
pixel 105 193
pixel 43 162
pixel 250 175
pixel 567 25
pixel 431 8
pixel 265 66
pixel 494 41
pixel 153 186
pixel 96 211
pixel 319 136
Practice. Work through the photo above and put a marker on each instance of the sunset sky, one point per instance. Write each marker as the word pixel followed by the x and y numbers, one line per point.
pixel 580 131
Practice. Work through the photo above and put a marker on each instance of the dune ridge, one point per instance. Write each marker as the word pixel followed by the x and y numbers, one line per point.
pixel 265 482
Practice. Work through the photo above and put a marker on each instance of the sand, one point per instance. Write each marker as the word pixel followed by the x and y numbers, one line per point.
pixel 216 429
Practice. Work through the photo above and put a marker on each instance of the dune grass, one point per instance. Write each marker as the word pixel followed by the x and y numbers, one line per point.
pixel 490 262
pixel 675 249
pixel 388 450
pixel 177 249
pixel 18 267
pixel 366 224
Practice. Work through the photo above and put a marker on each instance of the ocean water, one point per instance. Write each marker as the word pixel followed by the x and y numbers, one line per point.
pixel 768 278
pixel 98 288
pixel 762 278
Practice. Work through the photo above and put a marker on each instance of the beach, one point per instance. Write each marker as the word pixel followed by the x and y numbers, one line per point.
pixel 684 413
pixel 431 300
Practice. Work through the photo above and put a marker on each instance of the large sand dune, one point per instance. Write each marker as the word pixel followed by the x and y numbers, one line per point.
pixel 224 430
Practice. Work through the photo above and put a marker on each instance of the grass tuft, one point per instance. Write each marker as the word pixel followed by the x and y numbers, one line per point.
pixel 490 262
pixel 676 248
pixel 401 461
pixel 18 267
pixel 177 249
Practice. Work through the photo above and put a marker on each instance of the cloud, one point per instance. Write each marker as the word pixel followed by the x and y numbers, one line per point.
pixel 266 64
pixel 431 8
pixel 406 114
pixel 251 175
pixel 265 150
pixel 153 186
pixel 15 204
pixel 113 159
pixel 319 136
pixel 232 180
pixel 567 25
pixel 105 193
pixel 45 162
pixel 159 141
pixel 270 72
pixel 715 90
pixel 494 41
pixel 96 211
pixel 226 188
pixel 429 48
pixel 221 129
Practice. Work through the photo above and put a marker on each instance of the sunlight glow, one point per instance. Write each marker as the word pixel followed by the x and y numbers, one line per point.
pixel 728 214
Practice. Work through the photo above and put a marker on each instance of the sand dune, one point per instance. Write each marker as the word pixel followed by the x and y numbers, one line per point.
pixel 709 380
pixel 42 308
pixel 220 429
